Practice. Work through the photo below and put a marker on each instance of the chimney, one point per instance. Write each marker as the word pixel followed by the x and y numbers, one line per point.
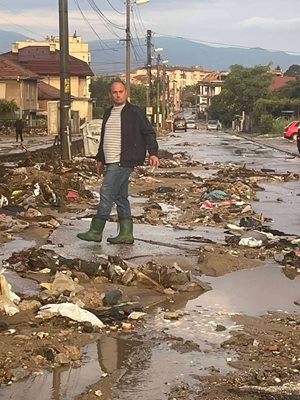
pixel 15 47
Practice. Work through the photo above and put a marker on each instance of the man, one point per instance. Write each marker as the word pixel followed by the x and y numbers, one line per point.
pixel 19 130
pixel 126 135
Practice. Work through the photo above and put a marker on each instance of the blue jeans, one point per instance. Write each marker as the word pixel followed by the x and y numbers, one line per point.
pixel 114 189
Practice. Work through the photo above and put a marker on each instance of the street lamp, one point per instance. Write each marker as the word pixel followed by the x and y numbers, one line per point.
pixel 163 108
pixel 128 40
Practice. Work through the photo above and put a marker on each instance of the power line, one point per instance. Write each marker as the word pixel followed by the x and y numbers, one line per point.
pixel 102 15
pixel 119 12
pixel 90 25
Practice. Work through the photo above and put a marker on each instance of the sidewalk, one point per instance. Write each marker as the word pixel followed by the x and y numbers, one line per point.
pixel 10 150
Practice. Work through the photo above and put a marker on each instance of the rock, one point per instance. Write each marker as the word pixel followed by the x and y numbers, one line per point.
pixel 81 276
pixel 73 352
pixel 128 276
pixel 297 302
pixel 27 305
pixel 220 328
pixel 19 373
pixel 49 353
pixel 87 327
pixel 169 292
pixel 136 315
pixel 63 282
pixel 148 282
pixel 112 297
pixel 173 276
pixel 209 249
pixel 171 315
pixel 62 359
pixel 127 326
pixel 90 298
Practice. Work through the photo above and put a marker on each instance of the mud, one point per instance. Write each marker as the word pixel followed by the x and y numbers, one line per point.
pixel 237 340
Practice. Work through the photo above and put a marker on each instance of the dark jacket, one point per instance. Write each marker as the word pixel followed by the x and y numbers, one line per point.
pixel 19 126
pixel 137 136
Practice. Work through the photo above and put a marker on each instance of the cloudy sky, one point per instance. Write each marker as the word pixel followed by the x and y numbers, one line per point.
pixel 270 24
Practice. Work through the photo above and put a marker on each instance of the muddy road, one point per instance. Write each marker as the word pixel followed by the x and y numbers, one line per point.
pixel 213 278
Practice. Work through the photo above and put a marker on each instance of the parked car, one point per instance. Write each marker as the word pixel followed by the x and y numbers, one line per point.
pixel 179 124
pixel 213 124
pixel 191 124
pixel 291 130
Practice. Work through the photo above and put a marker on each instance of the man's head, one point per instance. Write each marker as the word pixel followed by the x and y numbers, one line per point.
pixel 118 93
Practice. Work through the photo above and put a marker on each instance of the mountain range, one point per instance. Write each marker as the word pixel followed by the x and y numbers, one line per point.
pixel 108 56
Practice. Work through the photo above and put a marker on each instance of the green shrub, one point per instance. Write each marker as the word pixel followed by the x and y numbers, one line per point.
pixel 266 124
pixel 272 126
pixel 98 112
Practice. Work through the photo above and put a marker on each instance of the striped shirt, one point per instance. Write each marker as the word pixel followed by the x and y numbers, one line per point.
pixel 112 137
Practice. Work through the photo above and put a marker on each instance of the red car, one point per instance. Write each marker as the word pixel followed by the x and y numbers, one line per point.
pixel 291 130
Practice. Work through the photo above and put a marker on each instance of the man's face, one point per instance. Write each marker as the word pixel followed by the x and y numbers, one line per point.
pixel 118 94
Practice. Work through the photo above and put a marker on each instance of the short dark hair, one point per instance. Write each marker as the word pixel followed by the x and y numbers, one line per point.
pixel 116 81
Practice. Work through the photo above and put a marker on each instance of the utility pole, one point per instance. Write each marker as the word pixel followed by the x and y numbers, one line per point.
pixel 128 46
pixel 157 92
pixel 163 107
pixel 65 85
pixel 149 66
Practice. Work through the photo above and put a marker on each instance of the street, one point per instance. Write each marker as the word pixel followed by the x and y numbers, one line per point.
pixel 220 314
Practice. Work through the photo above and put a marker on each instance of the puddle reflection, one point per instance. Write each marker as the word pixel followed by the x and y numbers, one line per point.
pixel 104 356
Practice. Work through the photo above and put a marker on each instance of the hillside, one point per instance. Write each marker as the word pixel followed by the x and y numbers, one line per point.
pixel 184 52
pixel 7 38
pixel 109 56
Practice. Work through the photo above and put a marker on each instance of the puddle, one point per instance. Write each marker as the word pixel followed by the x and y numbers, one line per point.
pixel 102 357
pixel 18 244
pixel 277 202
pixel 252 292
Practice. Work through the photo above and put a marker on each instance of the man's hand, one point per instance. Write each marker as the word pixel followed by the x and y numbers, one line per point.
pixel 154 161
pixel 99 167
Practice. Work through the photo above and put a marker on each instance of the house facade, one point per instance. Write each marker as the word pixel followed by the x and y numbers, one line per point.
pixel 211 85
pixel 45 62
pixel 19 84
pixel 177 79
pixel 77 47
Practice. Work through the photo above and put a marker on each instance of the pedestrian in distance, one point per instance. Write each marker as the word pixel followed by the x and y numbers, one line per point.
pixel 126 136
pixel 19 130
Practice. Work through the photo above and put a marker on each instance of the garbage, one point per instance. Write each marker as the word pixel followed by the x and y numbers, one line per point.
pixel 69 310
pixel 250 242
pixel 250 222
pixel 207 205
pixel 112 297
pixel 8 299
pixel 216 195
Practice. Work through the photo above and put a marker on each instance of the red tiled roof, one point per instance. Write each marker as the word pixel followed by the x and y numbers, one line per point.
pixel 42 61
pixel 47 92
pixel 279 81
pixel 12 70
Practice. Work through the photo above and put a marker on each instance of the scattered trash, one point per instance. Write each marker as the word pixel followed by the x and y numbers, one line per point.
pixel 69 310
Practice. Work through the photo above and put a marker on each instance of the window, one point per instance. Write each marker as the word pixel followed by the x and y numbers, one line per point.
pixel 2 91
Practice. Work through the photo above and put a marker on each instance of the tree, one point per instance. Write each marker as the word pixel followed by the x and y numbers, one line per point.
pixel 242 88
pixel 100 91
pixel 8 106
pixel 293 70
pixel 290 90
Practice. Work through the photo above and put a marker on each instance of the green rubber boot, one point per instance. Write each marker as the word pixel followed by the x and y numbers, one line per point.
pixel 125 235
pixel 94 234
